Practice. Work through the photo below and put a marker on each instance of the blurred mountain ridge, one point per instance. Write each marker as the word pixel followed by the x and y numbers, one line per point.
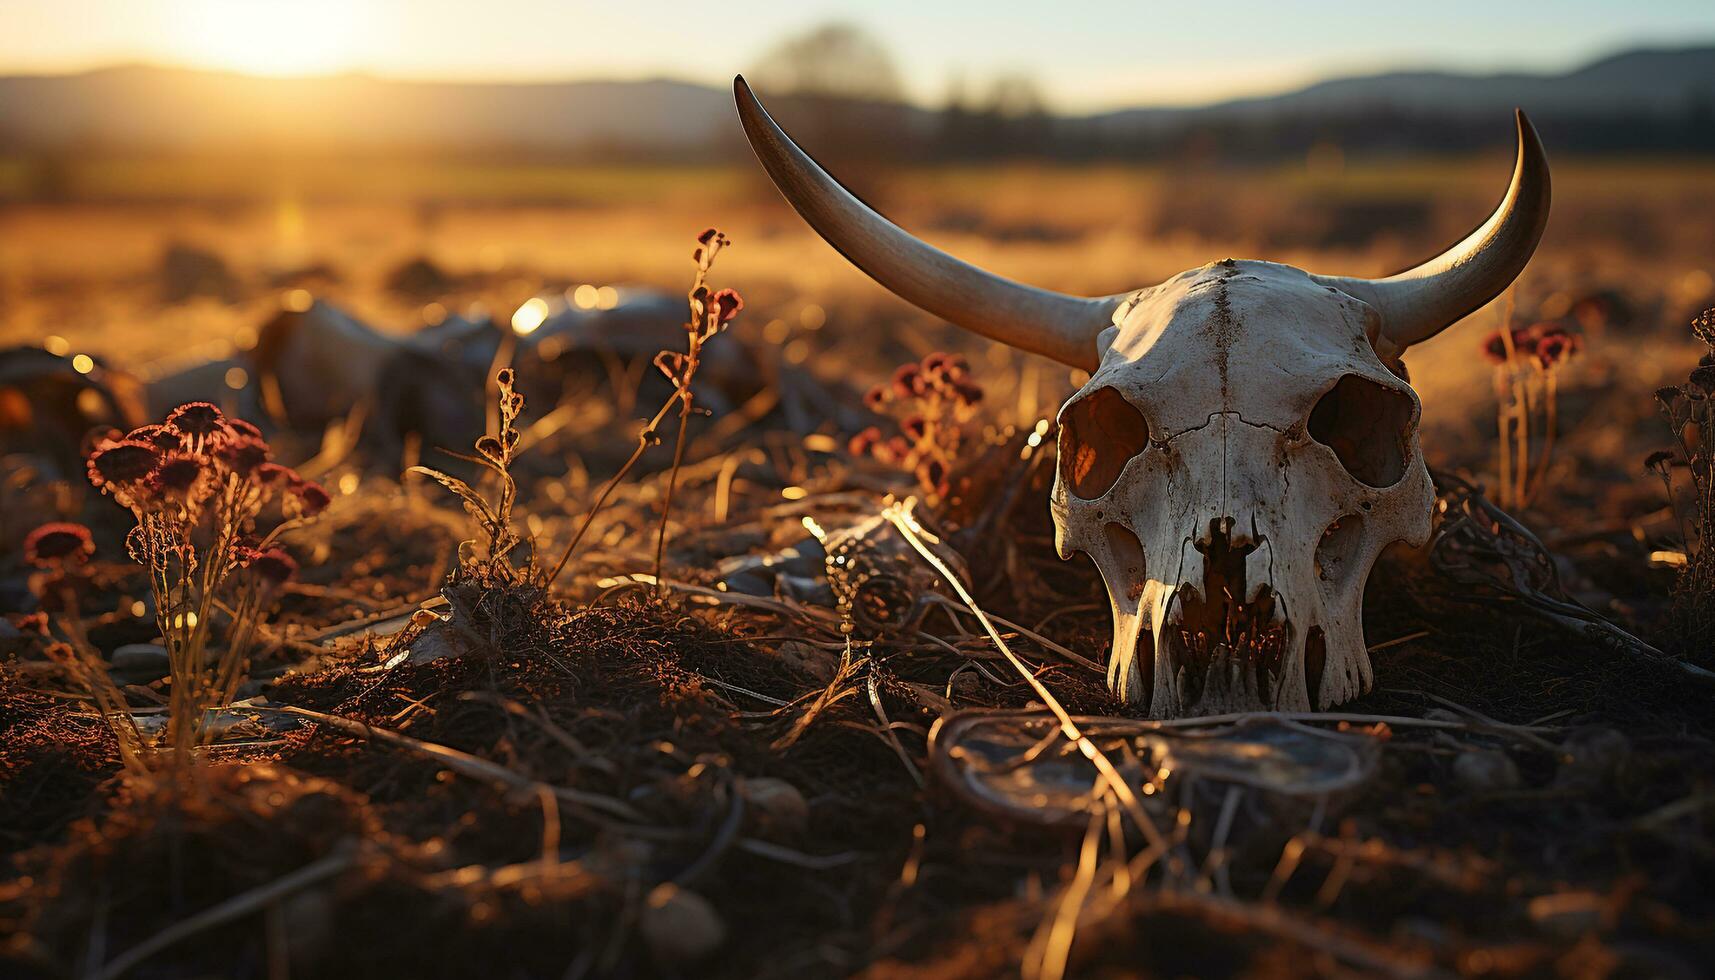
pixel 1642 99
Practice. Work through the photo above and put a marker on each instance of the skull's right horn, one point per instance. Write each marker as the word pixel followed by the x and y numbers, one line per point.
pixel 1036 320
pixel 1422 301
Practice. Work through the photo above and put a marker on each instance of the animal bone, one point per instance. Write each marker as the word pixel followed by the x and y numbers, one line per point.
pixel 1245 447
pixel 312 366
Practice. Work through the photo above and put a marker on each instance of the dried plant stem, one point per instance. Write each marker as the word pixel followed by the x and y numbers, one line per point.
pixel 709 315
pixel 233 908
pixel 1550 411
pixel 1506 395
pixel 645 439
pixel 90 670
pixel 672 478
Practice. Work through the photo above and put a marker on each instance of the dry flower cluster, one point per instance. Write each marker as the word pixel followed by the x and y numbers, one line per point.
pixel 198 485
pixel 1527 364
pixel 932 403
pixel 1686 409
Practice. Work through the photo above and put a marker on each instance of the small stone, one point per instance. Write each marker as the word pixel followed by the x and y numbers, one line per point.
pixel 1593 757
pixel 780 810
pixel 1568 915
pixel 1485 770
pixel 140 661
pixel 439 642
pixel 679 927
pixel 812 660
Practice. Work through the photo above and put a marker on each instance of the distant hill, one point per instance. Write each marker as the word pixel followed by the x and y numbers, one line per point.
pixel 180 109
pixel 172 108
pixel 1647 82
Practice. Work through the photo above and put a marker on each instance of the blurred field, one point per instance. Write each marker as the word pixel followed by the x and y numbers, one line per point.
pixel 88 267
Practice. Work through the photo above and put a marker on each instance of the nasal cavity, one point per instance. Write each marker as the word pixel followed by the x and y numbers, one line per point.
pixel 1099 434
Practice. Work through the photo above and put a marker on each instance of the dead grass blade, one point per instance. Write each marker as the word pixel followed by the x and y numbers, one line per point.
pixel 464 763
pixel 235 907
pixel 899 515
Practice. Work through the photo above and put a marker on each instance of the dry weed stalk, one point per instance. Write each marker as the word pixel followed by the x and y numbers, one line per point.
pixel 495 454
pixel 60 553
pixel 1527 364
pixel 710 313
pixel 1686 409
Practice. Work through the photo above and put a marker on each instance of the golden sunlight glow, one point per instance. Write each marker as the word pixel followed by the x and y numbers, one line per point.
pixel 529 316
pixel 271 37
pixel 83 363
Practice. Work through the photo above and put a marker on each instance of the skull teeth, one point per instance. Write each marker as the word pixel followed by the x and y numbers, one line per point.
pixel 1222 655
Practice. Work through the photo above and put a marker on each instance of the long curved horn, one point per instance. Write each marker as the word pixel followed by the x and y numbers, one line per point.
pixel 1419 303
pixel 1036 320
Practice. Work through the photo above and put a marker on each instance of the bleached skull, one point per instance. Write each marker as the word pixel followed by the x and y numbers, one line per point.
pixel 1245 447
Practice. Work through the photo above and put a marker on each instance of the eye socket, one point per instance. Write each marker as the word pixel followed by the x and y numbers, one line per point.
pixel 1099 434
pixel 1366 425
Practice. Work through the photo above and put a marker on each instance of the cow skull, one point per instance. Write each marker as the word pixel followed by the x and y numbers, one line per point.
pixel 1245 447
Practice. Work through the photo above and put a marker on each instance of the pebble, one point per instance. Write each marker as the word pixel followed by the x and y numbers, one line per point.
pixel 141 661
pixel 1593 757
pixel 679 927
pixel 780 808
pixel 1486 770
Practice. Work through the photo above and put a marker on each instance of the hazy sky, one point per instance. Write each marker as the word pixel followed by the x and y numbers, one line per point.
pixel 1086 55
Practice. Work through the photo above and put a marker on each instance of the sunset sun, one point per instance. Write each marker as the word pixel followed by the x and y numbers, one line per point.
pixel 272 37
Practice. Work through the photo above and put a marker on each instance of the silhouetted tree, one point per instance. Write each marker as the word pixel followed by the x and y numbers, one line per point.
pixel 838 90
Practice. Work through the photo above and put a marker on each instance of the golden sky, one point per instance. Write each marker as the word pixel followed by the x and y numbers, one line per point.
pixel 1090 54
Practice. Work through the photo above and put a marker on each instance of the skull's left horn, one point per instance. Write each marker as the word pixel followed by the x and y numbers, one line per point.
pixel 1042 322
pixel 1420 302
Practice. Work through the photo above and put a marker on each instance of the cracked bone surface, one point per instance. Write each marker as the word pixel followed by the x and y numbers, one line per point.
pixel 1235 539
pixel 1245 447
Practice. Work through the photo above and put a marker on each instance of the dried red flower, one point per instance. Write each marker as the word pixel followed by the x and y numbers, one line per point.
pixel 243 428
pixel 125 463
pixel 727 304
pixel 309 498
pixel 1555 349
pixel 707 236
pixel 243 454
pixel 159 436
pixel 36 622
pixel 1661 460
pixel 273 567
pixel 270 474
pixel 932 473
pixel 915 427
pixel 198 422
pixel 178 476
pixel 945 367
pixel 864 442
pixel 58 543
pixel 908 381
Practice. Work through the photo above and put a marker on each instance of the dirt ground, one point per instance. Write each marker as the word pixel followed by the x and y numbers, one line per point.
pixel 718 780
